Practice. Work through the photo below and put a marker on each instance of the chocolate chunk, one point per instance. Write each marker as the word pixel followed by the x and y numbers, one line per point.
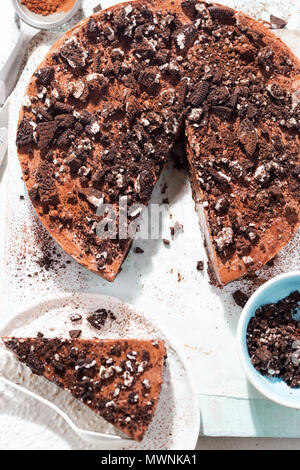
pixel 296 171
pixel 138 250
pixel 84 117
pixel 109 155
pixel 24 133
pixel 44 76
pixel 166 241
pixel 240 298
pixel 146 185
pixel 199 95
pixel 47 191
pixel 247 135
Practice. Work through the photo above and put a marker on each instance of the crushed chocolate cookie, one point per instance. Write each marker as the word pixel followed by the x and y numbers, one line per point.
pixel 247 135
pixel 44 76
pixel 277 23
pixel 97 8
pixel 25 133
pixel 240 298
pixel 98 318
pixel 200 265
pixel 223 14
pixel 273 340
pixel 75 317
pixel 75 333
pixel 199 95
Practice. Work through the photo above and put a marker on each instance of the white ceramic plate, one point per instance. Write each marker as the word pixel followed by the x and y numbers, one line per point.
pixel 26 424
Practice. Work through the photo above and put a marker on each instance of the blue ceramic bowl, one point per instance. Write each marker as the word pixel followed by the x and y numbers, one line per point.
pixel 273 388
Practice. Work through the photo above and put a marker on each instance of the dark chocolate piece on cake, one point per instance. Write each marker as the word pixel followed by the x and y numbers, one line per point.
pixel 105 107
pixel 118 379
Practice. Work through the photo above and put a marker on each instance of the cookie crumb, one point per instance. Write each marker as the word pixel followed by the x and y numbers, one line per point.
pixel 240 298
pixel 200 265
pixel 75 333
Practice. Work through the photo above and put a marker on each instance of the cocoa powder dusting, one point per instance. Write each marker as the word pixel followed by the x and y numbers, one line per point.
pixel 48 7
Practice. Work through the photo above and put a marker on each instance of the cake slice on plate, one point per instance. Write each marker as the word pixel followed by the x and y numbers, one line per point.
pixel 118 379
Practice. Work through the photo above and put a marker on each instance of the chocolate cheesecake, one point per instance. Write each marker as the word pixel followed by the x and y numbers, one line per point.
pixel 113 95
pixel 118 379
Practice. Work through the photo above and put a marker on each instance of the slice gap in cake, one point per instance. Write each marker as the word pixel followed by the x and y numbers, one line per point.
pixel 118 379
